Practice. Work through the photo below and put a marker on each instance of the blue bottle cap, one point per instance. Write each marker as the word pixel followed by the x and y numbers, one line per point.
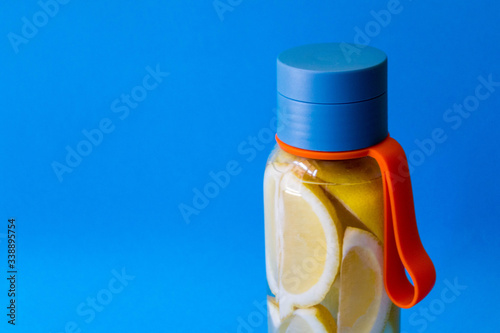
pixel 332 97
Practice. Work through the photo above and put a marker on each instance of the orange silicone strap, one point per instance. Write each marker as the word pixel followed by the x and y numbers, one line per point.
pixel 403 248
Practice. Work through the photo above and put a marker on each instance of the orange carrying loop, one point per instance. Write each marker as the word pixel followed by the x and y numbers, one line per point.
pixel 403 248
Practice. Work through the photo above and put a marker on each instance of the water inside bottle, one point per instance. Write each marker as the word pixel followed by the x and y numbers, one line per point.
pixel 324 246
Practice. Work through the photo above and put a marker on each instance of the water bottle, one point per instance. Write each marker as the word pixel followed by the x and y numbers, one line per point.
pixel 342 248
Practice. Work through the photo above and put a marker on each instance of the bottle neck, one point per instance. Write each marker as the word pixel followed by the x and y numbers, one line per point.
pixel 326 155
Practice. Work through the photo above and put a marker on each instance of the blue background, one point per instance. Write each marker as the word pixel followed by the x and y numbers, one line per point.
pixel 119 207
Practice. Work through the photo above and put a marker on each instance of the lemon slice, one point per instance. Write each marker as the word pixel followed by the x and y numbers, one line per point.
pixel 308 234
pixel 272 177
pixel 315 319
pixel 356 184
pixel 364 304
pixel 365 201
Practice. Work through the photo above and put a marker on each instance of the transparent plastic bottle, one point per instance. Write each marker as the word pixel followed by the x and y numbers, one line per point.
pixel 351 192
pixel 330 201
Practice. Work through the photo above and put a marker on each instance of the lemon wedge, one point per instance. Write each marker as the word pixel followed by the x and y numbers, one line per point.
pixel 364 304
pixel 272 178
pixel 356 184
pixel 365 201
pixel 309 237
pixel 316 319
